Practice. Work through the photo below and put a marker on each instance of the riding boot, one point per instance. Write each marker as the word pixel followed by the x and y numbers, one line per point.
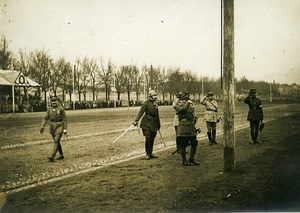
pixel 151 149
pixel 147 148
pixel 214 136
pixel 252 137
pixel 60 151
pixel 178 148
pixel 255 137
pixel 192 156
pixel 185 162
pixel 209 138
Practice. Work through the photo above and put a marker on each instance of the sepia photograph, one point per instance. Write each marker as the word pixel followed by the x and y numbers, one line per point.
pixel 159 106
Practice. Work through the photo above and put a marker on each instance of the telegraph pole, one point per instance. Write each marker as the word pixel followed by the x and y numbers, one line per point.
pixel 115 91
pixel 202 86
pixel 228 86
pixel 271 95
pixel 73 94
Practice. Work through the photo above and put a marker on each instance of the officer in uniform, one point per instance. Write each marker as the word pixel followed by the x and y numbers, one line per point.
pixel 51 95
pixel 255 114
pixel 150 123
pixel 211 116
pixel 186 129
pixel 58 126
pixel 175 105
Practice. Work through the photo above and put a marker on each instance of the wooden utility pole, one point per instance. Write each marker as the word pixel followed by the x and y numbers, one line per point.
pixel 228 86
pixel 73 84
pixel 271 95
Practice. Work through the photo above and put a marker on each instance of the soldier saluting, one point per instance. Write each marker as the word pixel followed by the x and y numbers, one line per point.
pixel 58 126
pixel 211 116
pixel 255 114
pixel 186 129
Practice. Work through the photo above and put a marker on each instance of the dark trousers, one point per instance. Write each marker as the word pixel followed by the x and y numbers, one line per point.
pixel 186 141
pixel 254 125
pixel 149 141
pixel 177 138
pixel 57 145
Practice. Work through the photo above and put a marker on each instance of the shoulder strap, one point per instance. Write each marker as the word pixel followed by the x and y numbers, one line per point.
pixel 212 104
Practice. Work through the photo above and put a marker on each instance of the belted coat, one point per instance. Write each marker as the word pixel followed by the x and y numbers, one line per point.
pixel 176 103
pixel 57 118
pixel 187 119
pixel 255 112
pixel 211 113
pixel 150 120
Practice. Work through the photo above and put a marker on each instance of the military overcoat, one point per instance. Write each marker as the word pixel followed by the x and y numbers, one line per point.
pixel 187 119
pixel 255 112
pixel 57 118
pixel 150 120
pixel 176 103
pixel 211 113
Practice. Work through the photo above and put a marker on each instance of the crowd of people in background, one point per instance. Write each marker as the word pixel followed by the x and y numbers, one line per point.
pixel 35 104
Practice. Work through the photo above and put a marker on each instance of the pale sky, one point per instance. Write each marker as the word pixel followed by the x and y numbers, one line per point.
pixel 166 33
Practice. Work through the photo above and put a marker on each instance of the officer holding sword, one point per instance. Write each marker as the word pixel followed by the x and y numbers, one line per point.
pixel 150 123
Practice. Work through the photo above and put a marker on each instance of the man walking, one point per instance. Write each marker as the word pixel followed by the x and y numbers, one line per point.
pixel 255 114
pixel 150 123
pixel 58 126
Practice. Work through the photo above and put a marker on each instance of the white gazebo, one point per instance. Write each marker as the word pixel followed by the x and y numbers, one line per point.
pixel 14 79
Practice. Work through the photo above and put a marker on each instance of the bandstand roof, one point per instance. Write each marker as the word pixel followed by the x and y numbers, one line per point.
pixel 16 78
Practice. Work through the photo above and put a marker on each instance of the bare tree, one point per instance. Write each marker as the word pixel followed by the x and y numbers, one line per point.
pixel 175 81
pixel 163 79
pixel 23 64
pixel 6 56
pixel 119 85
pixel 137 81
pixel 152 76
pixel 189 80
pixel 128 82
pixel 90 68
pixel 40 69
pixel 106 76
pixel 84 78
pixel 61 76
pixel 78 78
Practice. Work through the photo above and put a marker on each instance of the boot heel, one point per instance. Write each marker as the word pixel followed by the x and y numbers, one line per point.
pixel 186 163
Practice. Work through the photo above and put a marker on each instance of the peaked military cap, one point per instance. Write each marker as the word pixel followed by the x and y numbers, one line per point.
pixel 179 94
pixel 152 93
pixel 210 94
pixel 53 99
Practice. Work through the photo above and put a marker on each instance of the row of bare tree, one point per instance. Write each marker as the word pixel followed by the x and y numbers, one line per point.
pixel 100 76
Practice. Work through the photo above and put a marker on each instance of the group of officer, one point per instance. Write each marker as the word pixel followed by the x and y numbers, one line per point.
pixel 185 123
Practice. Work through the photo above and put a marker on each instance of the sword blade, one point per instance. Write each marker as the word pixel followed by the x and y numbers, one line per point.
pixel 161 138
pixel 123 134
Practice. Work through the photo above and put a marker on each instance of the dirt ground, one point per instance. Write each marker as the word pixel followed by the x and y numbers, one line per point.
pixel 266 178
